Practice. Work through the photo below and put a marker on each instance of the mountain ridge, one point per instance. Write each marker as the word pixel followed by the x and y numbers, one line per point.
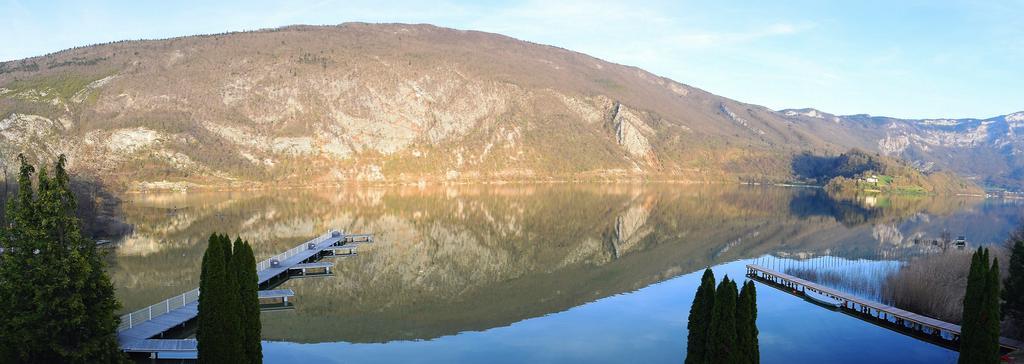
pixel 1018 115
pixel 983 149
pixel 383 103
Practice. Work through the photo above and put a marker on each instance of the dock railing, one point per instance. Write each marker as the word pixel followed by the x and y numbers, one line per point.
pixel 133 318
pixel 265 264
pixel 148 313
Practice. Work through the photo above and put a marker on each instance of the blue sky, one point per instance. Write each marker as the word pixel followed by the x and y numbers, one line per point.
pixel 896 58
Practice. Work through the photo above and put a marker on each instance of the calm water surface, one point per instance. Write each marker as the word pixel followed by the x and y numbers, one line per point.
pixel 564 273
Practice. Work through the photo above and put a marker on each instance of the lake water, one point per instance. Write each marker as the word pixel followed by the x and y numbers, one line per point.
pixel 551 273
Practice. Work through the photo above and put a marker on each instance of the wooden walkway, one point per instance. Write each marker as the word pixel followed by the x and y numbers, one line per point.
pixel 888 315
pixel 142 331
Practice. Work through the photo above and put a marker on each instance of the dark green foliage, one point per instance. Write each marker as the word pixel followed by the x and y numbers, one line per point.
pixel 700 318
pixel 722 333
pixel 218 315
pixel 746 325
pixel 969 337
pixel 990 317
pixel 244 263
pixel 229 323
pixel 823 168
pixel 723 323
pixel 1013 287
pixel 203 319
pixel 231 315
pixel 58 300
pixel 979 337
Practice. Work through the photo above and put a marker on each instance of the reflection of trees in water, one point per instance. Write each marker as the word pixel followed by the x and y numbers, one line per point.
pixel 471 257
pixel 853 210
pixel 930 283
pixel 862 278
pixel 817 202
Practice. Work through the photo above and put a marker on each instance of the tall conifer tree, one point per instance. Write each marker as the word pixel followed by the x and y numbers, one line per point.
pixel 229 322
pixel 204 319
pixel 700 318
pixel 18 288
pixel 99 328
pixel 233 310
pixel 746 325
pixel 58 300
pixel 731 323
pixel 722 332
pixel 990 316
pixel 217 326
pixel 972 297
pixel 979 336
pixel 245 265
pixel 1013 287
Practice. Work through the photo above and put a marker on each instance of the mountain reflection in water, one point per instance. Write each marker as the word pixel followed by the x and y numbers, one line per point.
pixel 470 258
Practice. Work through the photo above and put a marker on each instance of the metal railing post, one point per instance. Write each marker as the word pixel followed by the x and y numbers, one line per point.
pixel 193 295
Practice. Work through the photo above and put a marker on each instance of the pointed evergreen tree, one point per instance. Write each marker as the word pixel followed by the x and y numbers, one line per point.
pixel 722 331
pixel 233 310
pixel 58 300
pixel 971 303
pixel 244 263
pixel 204 321
pixel 990 316
pixel 979 336
pixel 99 329
pixel 18 273
pixel 229 326
pixel 1013 287
pixel 746 325
pixel 700 319
pixel 216 325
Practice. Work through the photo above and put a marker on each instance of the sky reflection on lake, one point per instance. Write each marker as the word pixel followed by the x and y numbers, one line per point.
pixel 563 273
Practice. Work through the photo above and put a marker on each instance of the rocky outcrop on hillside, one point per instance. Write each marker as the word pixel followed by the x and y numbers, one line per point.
pixel 386 103
pixel 984 150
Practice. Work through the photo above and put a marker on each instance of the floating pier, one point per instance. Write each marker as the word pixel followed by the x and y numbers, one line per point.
pixel 142 331
pixel 275 299
pixel 311 269
pixel 905 322
pixel 343 250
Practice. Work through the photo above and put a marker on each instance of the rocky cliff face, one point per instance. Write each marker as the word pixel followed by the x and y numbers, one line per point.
pixel 985 150
pixel 379 103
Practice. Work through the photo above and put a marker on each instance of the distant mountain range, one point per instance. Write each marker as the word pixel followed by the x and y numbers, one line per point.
pixel 985 150
pixel 396 103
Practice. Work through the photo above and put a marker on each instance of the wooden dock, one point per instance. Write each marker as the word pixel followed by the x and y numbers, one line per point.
pixel 142 331
pixel 275 300
pixel 900 320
